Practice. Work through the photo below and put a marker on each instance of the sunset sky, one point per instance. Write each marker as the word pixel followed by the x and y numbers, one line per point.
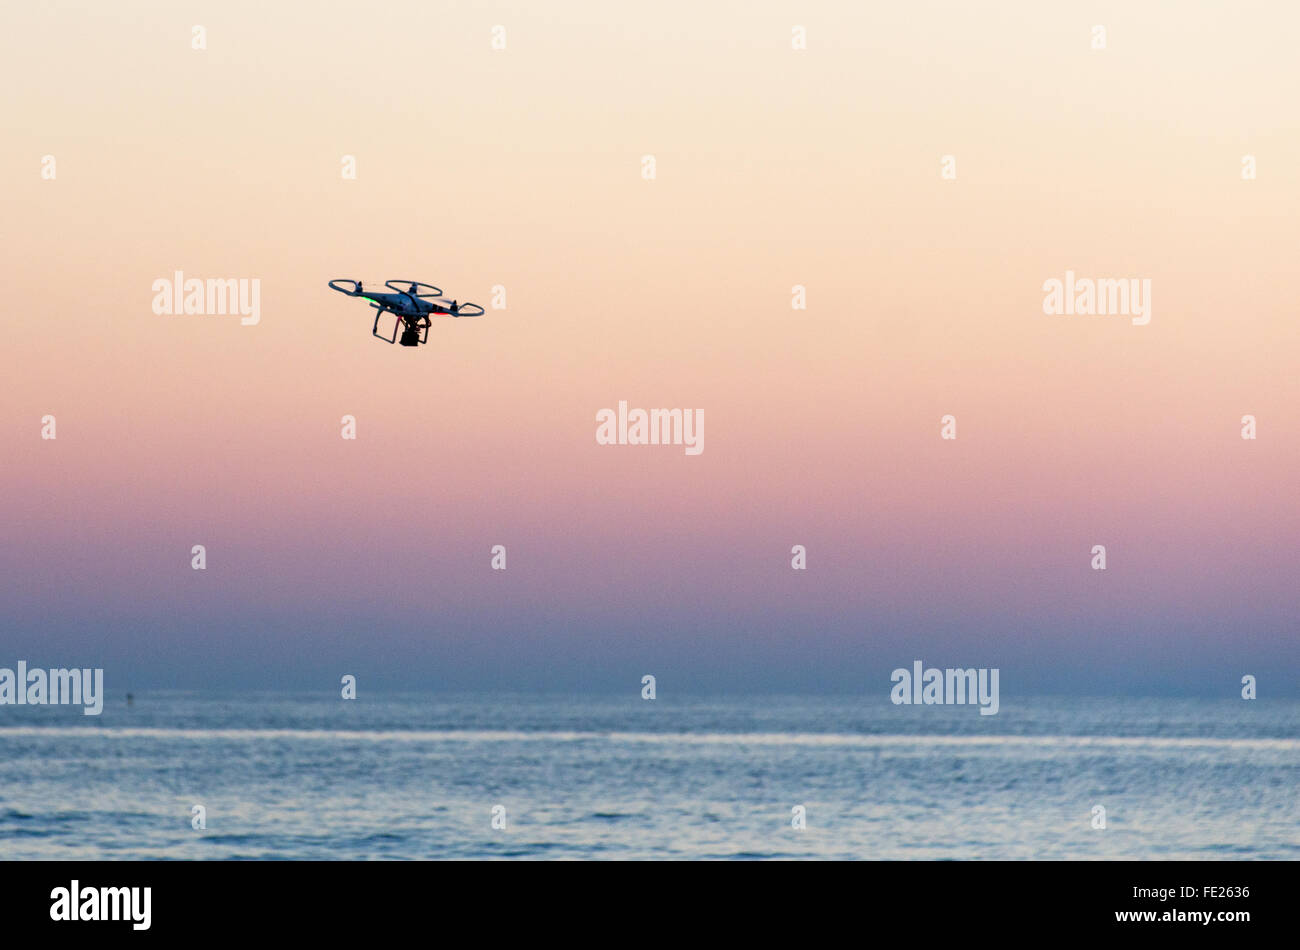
pixel 775 167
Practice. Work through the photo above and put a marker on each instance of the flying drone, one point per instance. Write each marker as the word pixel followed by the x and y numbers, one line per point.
pixel 412 307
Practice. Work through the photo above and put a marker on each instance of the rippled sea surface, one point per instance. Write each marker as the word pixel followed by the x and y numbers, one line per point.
pixel 419 776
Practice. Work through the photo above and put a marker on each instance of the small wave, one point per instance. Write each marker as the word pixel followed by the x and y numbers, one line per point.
pixel 1231 848
pixel 7 833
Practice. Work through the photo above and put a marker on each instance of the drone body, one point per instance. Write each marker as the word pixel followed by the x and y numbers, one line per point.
pixel 412 307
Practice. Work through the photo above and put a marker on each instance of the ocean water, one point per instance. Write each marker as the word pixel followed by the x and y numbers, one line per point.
pixel 418 776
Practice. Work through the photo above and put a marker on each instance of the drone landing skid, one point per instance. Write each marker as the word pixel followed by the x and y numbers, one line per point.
pixel 412 334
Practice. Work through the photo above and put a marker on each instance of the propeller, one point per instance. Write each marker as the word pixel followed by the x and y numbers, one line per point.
pixel 411 288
